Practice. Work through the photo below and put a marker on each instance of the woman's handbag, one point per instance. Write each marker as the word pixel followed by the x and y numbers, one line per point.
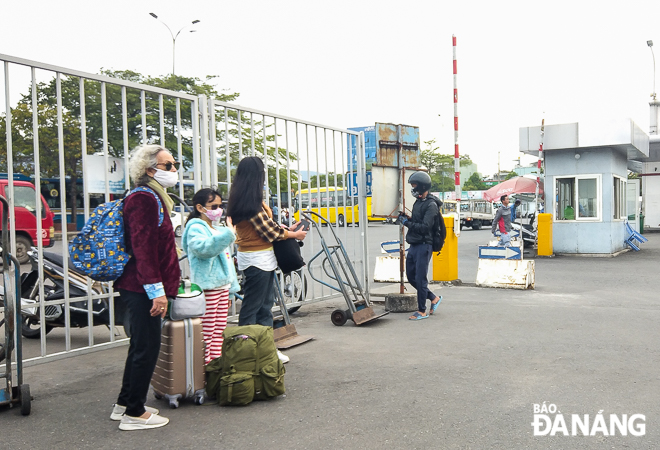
pixel 189 302
pixel 287 253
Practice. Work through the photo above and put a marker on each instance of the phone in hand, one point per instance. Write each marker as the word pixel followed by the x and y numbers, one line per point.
pixel 303 224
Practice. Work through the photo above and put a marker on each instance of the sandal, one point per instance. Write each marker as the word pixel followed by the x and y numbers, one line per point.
pixel 418 316
pixel 435 305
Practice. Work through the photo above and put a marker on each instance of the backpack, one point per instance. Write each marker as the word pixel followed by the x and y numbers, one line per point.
pixel 98 250
pixel 251 369
pixel 439 234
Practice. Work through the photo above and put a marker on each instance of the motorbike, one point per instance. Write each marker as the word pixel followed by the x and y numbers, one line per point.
pixel 55 315
pixel 527 231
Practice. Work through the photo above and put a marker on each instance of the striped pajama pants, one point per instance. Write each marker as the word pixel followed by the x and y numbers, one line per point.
pixel 214 322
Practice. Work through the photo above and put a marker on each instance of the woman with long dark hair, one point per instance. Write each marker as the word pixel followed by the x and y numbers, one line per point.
pixel 256 231
pixel 211 267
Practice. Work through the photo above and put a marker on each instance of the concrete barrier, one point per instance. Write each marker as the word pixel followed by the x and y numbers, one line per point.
pixel 401 302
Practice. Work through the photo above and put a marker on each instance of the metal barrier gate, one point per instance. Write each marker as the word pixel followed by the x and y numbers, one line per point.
pixel 306 161
pixel 292 150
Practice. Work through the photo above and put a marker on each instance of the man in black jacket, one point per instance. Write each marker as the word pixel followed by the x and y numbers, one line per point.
pixel 421 226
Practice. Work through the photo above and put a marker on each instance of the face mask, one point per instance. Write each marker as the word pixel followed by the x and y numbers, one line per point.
pixel 415 193
pixel 166 179
pixel 214 215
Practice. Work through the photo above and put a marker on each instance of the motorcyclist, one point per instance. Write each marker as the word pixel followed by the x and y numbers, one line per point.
pixel 421 226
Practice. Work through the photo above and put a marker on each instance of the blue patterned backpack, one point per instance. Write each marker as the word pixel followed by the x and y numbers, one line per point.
pixel 99 250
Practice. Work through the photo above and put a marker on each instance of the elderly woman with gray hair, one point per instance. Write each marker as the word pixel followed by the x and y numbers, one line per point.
pixel 150 276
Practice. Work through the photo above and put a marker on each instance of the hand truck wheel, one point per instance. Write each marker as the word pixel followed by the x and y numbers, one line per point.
pixel 26 400
pixel 339 317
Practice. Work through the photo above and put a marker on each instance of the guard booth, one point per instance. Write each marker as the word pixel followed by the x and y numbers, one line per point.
pixel 586 180
pixel 650 168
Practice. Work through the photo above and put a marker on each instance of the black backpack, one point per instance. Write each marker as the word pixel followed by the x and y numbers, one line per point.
pixel 439 233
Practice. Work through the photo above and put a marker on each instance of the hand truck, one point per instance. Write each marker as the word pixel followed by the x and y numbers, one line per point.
pixel 20 393
pixel 348 283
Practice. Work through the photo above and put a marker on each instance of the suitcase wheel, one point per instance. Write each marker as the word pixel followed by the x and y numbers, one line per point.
pixel 174 403
pixel 199 399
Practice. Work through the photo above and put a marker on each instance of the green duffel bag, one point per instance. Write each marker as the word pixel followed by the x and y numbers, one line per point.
pixel 250 350
pixel 213 374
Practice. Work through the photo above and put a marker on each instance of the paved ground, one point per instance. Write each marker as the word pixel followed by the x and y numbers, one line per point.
pixel 585 340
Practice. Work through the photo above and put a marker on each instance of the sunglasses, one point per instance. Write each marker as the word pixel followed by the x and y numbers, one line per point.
pixel 213 207
pixel 168 165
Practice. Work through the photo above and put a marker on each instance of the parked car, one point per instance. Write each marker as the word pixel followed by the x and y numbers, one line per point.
pixel 178 222
pixel 179 215
pixel 25 213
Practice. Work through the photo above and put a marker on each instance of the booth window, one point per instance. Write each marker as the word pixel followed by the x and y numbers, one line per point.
pixel 578 198
pixel 619 190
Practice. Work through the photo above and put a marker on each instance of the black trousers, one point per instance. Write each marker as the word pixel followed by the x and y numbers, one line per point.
pixel 142 352
pixel 417 267
pixel 258 298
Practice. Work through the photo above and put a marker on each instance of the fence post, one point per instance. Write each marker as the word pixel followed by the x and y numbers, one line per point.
pixel 203 116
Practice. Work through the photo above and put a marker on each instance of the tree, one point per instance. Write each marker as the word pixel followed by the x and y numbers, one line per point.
pixel 22 128
pixel 264 140
pixel 23 145
pixel 441 167
pixel 475 183
pixel 511 175
pixel 316 180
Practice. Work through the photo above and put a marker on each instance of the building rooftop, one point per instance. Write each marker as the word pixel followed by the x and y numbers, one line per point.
pixel 622 135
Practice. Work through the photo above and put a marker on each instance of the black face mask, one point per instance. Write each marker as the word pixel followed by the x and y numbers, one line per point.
pixel 415 193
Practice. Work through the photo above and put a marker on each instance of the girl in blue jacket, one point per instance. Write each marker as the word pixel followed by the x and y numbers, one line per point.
pixel 211 266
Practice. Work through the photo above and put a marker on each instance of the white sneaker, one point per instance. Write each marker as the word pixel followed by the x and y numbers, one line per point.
pixel 129 423
pixel 285 359
pixel 118 411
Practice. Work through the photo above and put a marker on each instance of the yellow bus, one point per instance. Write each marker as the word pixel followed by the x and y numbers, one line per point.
pixel 333 204
pixel 372 219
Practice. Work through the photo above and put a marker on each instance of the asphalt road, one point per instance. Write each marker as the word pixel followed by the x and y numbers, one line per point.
pixel 585 340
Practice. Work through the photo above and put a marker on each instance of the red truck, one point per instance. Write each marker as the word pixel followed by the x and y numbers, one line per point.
pixel 26 216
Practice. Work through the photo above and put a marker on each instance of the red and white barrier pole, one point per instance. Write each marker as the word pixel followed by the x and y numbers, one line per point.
pixel 457 173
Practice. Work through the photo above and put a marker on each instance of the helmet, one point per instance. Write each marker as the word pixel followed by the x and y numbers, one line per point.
pixel 423 182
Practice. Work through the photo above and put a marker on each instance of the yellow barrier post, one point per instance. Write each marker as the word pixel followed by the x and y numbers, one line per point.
pixel 545 235
pixel 445 265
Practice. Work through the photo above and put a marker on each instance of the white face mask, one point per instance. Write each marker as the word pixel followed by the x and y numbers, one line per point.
pixel 166 179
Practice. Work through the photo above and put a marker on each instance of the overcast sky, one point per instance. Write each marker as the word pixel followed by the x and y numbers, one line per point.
pixel 354 63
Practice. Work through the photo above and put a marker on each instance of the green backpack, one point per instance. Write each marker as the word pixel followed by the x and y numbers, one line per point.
pixel 250 370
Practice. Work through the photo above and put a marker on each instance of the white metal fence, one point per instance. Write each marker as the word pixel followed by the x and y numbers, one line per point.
pixel 66 125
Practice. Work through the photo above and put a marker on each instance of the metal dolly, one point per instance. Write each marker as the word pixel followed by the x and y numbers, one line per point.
pixel 286 335
pixel 12 308
pixel 359 309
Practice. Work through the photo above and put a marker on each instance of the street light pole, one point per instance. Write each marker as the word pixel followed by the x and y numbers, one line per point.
pixel 654 104
pixel 174 36
pixel 650 44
